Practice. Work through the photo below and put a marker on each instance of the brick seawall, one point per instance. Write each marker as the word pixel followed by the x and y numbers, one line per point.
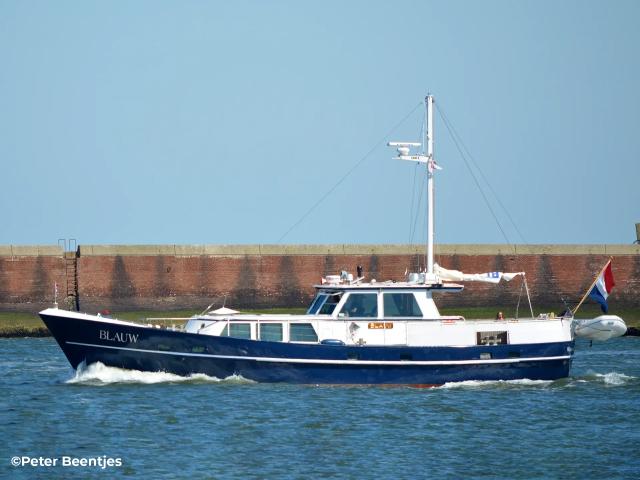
pixel 164 277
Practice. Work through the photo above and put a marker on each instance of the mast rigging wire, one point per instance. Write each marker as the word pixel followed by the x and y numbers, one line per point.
pixel 418 210
pixel 413 201
pixel 457 139
pixel 475 179
pixel 423 129
pixel 351 170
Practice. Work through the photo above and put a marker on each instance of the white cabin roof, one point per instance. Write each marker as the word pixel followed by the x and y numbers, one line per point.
pixel 389 285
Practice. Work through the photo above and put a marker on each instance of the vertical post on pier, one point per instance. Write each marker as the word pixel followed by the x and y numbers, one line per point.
pixel 430 169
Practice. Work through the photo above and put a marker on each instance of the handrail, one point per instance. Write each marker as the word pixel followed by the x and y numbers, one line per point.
pixel 168 318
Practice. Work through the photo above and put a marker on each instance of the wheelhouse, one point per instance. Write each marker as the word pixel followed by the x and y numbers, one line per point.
pixel 395 301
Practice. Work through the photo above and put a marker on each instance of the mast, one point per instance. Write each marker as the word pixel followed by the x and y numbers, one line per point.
pixel 430 168
pixel 404 153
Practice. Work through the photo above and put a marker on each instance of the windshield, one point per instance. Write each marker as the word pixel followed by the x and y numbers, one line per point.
pixel 324 303
pixel 315 305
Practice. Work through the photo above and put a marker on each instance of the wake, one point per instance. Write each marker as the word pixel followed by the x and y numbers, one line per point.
pixel 611 379
pixel 98 374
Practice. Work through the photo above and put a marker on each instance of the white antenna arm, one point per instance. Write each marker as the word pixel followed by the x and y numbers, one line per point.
pixel 404 152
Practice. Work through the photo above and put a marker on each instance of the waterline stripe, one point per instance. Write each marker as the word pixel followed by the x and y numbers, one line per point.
pixel 331 361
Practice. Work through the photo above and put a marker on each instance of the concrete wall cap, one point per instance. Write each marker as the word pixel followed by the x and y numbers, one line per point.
pixel 31 251
pixel 323 249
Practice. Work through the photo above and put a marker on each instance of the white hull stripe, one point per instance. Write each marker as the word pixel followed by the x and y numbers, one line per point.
pixel 330 361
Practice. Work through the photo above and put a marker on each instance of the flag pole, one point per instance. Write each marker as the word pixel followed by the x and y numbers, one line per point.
pixel 591 287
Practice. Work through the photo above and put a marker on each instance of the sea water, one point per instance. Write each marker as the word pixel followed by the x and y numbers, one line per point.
pixel 120 424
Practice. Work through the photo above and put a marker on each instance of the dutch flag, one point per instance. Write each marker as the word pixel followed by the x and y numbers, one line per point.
pixel 602 288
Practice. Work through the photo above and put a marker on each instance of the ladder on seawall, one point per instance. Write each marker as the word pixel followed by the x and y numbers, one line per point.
pixel 71 271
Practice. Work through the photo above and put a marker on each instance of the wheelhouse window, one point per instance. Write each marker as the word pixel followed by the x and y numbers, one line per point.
pixel 324 304
pixel 271 332
pixel 317 302
pixel 237 330
pixel 330 304
pixel 400 305
pixel 302 332
pixel 360 305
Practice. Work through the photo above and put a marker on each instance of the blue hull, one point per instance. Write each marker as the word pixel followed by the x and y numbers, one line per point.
pixel 149 349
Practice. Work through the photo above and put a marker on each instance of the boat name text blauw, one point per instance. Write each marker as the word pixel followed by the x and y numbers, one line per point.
pixel 119 336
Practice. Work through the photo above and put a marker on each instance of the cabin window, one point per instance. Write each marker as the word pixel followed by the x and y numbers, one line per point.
pixel 302 332
pixel 319 300
pixel 237 330
pixel 401 305
pixel 360 305
pixel 330 304
pixel 271 332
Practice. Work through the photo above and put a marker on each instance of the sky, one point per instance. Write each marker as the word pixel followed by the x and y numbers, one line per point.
pixel 263 122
